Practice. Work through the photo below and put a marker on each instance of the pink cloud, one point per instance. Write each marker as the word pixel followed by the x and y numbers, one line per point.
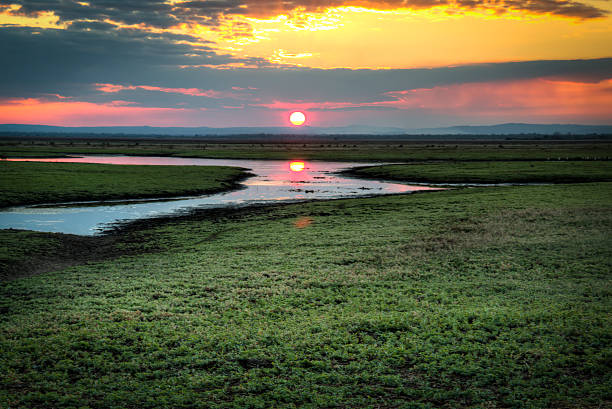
pixel 527 97
pixel 122 113
pixel 507 100
pixel 34 111
pixel 196 92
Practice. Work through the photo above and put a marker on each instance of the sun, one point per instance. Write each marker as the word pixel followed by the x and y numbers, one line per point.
pixel 297 166
pixel 297 118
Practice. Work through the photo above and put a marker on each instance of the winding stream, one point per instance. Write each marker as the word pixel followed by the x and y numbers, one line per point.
pixel 274 181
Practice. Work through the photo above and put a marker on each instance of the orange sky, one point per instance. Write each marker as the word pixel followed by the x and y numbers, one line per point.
pixel 366 37
pixel 362 38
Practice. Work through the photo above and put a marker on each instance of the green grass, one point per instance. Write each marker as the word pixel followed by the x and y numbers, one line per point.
pixel 360 151
pixel 475 298
pixel 31 182
pixel 492 172
pixel 20 247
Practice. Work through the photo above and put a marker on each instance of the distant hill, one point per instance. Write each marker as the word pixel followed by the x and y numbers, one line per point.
pixel 517 129
pixel 460 131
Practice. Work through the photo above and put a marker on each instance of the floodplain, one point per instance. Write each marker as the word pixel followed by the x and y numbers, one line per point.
pixel 479 297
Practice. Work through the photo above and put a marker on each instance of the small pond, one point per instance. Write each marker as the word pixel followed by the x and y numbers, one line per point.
pixel 274 181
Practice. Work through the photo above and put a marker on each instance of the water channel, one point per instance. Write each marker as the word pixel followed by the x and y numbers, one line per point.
pixel 274 181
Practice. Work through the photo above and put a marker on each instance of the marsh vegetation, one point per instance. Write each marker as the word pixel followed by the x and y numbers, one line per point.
pixel 491 172
pixel 389 151
pixel 467 298
pixel 34 182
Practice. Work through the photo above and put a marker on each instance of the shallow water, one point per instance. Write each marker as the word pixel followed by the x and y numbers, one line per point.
pixel 274 181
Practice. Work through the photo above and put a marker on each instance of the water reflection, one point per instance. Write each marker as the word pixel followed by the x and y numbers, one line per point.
pixel 273 181
pixel 297 166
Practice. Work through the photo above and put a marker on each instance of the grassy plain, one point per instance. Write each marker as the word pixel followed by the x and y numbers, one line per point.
pixel 341 151
pixel 491 172
pixel 471 298
pixel 34 182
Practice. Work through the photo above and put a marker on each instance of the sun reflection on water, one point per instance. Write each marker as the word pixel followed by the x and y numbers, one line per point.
pixel 297 166
pixel 273 181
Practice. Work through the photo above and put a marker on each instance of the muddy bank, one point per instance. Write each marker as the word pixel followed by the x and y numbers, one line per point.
pixel 28 252
pixel 38 252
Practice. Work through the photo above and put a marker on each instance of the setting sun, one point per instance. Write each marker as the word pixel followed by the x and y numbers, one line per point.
pixel 297 118
pixel 296 166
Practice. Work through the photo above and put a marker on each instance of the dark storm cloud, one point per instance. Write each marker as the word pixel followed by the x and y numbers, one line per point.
pixel 49 61
pixel 152 12
pixel 158 13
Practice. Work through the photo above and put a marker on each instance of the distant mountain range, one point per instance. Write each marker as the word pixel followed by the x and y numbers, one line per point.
pixel 477 130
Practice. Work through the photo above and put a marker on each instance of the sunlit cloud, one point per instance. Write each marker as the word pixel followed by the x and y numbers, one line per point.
pixel 367 32
pixel 196 92
pixel 537 96
pixel 399 38
pixel 121 113
pixel 45 19
pixel 283 57
pixel 35 111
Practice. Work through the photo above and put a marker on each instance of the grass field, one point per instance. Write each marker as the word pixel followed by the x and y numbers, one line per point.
pixel 494 297
pixel 359 151
pixel 492 172
pixel 31 182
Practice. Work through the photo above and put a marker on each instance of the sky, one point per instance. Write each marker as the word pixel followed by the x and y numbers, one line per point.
pixel 221 63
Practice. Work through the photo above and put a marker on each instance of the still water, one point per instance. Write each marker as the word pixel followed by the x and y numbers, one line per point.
pixel 274 181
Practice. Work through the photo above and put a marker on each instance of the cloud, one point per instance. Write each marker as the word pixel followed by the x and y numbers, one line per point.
pixel 162 14
pixel 156 71
pixel 209 33
pixel 68 62
pixel 69 77
pixel 137 71
pixel 556 7
pixel 526 97
pixel 31 110
pixel 528 100
pixel 196 92
pixel 541 96
pixel 151 12
pixel 127 57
